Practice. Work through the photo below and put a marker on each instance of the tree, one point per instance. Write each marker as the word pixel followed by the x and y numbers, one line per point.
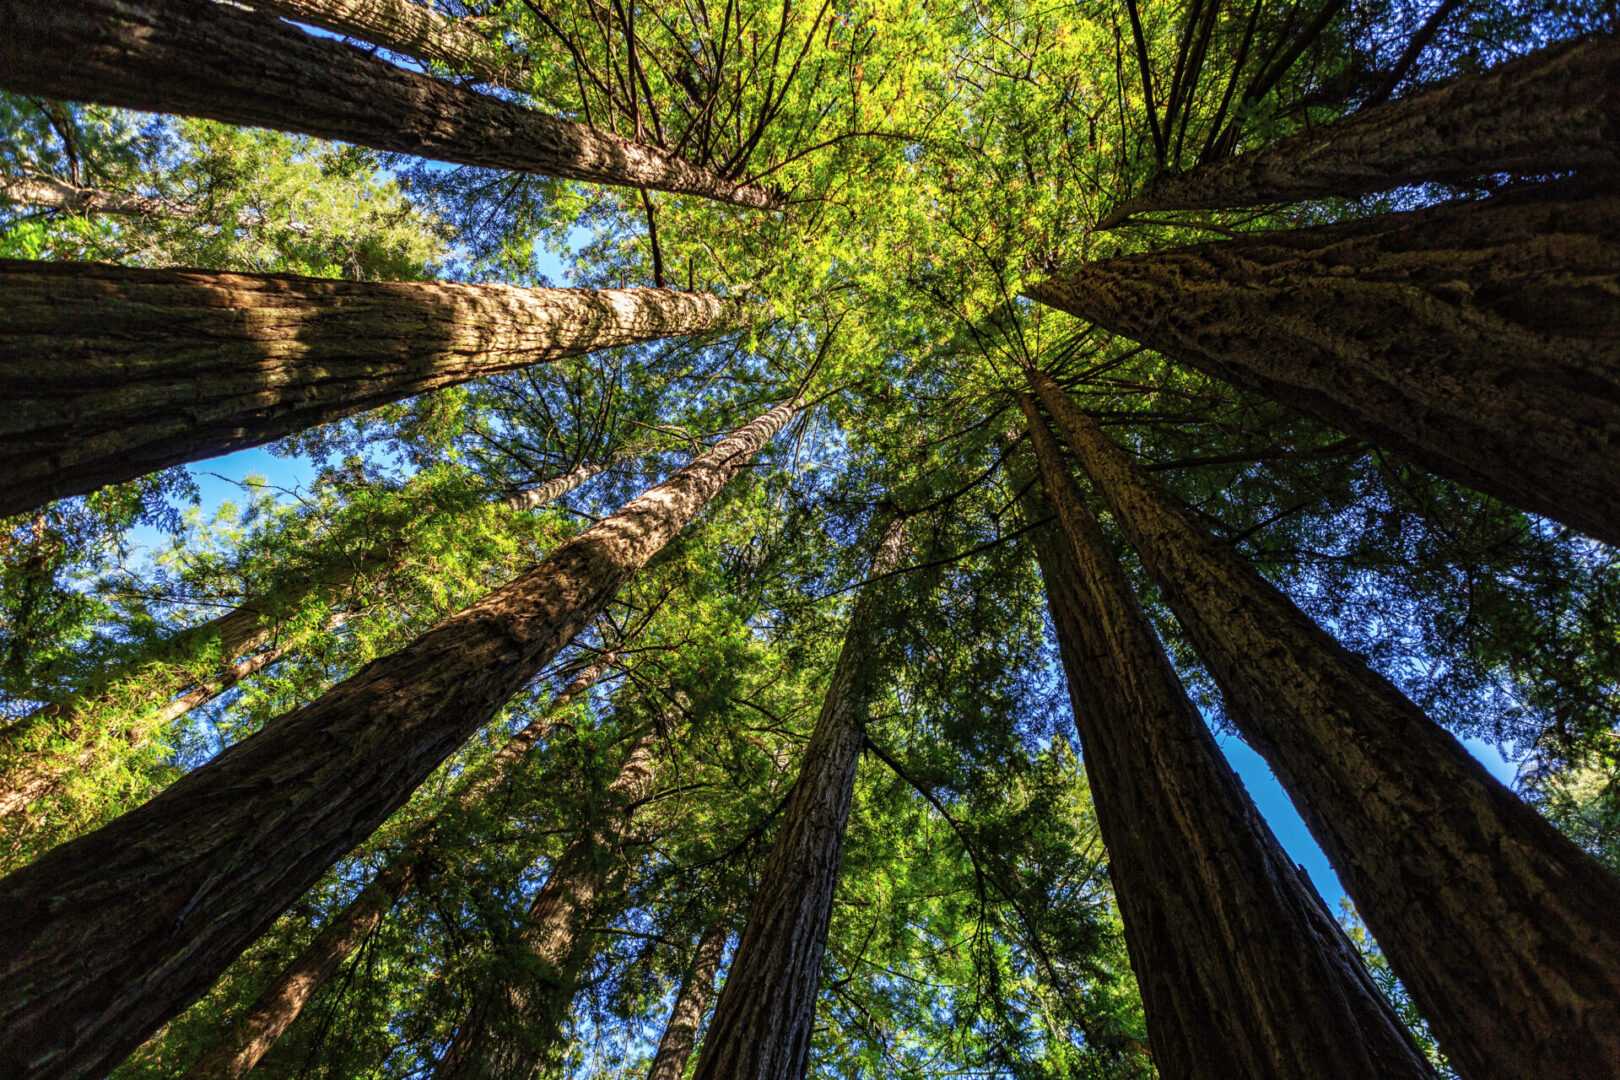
pixel 190 364
pixel 401 26
pixel 679 1039
pixel 328 774
pixel 1243 971
pixel 1437 854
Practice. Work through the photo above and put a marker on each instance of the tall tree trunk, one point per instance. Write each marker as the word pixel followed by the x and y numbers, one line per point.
pixel 1243 971
pixel 691 1002
pixel 50 193
pixel 1478 340
pixel 515 1027
pixel 283 1000
pixel 1553 111
pixel 1506 933
pixel 767 1008
pixel 109 936
pixel 162 686
pixel 410 29
pixel 202 58
pixel 113 372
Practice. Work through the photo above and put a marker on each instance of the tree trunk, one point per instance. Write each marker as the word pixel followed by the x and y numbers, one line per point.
pixel 112 372
pixel 410 29
pixel 1506 933
pixel 161 687
pixel 48 192
pixel 109 936
pixel 515 1027
pixel 1243 971
pixel 767 1008
pixel 1553 111
pixel 691 1002
pixel 201 58
pixel 1478 340
pixel 281 1002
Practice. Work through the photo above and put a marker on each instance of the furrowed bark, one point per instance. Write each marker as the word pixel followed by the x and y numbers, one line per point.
pixel 691 1002
pixel 110 935
pixel 1243 970
pixel 201 58
pixel 1556 110
pixel 114 372
pixel 1506 934
pixel 283 1000
pixel 410 29
pixel 766 1012
pixel 1478 340
pixel 515 1027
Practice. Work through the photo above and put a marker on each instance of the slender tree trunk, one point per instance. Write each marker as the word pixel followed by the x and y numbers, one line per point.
pixel 50 193
pixel 691 1002
pixel 410 29
pixel 767 1008
pixel 1553 111
pixel 113 372
pixel 111 935
pixel 1243 971
pixel 515 1027
pixel 161 687
pixel 1506 933
pixel 1478 340
pixel 202 58
pixel 283 1000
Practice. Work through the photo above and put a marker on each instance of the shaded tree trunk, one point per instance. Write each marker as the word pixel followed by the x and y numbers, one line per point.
pixel 114 933
pixel 1553 111
pixel 283 1000
pixel 201 58
pixel 691 1002
pixel 410 29
pixel 1243 971
pixel 767 1008
pixel 515 1027
pixel 1506 933
pixel 113 373
pixel 1478 340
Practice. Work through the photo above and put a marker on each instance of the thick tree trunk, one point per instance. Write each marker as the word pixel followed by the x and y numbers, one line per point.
pixel 1478 340
pixel 1242 969
pixel 1506 933
pixel 767 1008
pixel 1553 111
pixel 515 1027
pixel 410 29
pixel 111 373
pixel 109 936
pixel 202 58
pixel 161 687
pixel 283 1000
pixel 691 1002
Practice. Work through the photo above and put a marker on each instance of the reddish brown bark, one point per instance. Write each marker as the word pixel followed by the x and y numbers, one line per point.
pixel 1553 111
pixel 767 1008
pixel 114 933
pixel 691 1002
pixel 113 372
pixel 1506 934
pixel 1243 971
pixel 201 58
pixel 404 27
pixel 1478 340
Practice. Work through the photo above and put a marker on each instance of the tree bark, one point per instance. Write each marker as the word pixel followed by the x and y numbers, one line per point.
pixel 1478 340
pixel 407 28
pixel 50 193
pixel 691 1002
pixel 114 372
pixel 201 58
pixel 1506 933
pixel 766 1012
pixel 110 935
pixel 515 1027
pixel 1553 111
pixel 1243 971
pixel 283 1000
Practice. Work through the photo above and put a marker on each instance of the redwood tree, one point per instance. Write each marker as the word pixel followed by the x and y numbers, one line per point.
pixel 691 1002
pixel 405 27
